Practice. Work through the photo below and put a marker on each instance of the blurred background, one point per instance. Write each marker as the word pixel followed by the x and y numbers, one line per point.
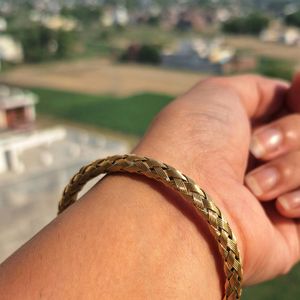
pixel 81 79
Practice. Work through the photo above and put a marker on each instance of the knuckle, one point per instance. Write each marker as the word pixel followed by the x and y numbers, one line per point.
pixel 290 129
pixel 290 164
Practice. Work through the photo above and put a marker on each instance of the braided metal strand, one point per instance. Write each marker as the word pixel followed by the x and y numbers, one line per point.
pixel 173 178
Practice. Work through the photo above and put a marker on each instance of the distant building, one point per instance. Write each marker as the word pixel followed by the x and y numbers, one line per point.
pixel 291 36
pixel 10 49
pixel 60 23
pixel 223 14
pixel 54 22
pixel 279 33
pixel 240 63
pixel 191 61
pixel 115 16
pixel 26 148
pixel 17 108
pixel 199 55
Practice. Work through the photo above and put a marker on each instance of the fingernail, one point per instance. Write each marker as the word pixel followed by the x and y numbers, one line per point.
pixel 263 180
pixel 265 141
pixel 290 201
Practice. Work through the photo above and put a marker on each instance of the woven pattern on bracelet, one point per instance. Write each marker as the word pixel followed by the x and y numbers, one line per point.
pixel 173 178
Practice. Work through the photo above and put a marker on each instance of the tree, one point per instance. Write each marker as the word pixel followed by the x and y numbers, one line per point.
pixel 149 54
pixel 293 19
pixel 251 24
pixel 84 13
pixel 276 68
pixel 146 54
pixel 65 41
pixel 41 43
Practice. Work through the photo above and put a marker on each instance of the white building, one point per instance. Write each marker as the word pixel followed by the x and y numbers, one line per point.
pixel 10 49
pixel 115 16
pixel 291 36
pixel 54 22
pixel 17 108
pixel 58 22
pixel 279 33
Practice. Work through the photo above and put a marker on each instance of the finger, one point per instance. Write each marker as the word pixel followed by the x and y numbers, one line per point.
pixel 293 98
pixel 261 96
pixel 276 138
pixel 288 204
pixel 275 178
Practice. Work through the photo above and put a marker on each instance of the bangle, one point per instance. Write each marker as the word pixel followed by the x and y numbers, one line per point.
pixel 187 188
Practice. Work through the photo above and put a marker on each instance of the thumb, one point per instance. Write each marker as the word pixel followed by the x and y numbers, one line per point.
pixel 260 96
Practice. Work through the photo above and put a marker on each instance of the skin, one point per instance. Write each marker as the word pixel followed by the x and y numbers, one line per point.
pixel 283 155
pixel 131 238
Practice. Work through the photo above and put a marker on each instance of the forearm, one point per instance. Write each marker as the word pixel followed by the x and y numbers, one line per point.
pixel 127 239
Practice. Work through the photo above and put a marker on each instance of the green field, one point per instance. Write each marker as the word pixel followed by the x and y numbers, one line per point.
pixel 132 115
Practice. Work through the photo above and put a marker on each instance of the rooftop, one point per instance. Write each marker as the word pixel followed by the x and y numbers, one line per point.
pixel 13 98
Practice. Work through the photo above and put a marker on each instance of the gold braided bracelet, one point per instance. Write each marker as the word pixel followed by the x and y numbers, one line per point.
pixel 187 188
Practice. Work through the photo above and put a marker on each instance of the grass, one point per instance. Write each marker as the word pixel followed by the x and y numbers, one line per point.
pixel 127 115
pixel 277 68
pixel 133 115
pixel 283 288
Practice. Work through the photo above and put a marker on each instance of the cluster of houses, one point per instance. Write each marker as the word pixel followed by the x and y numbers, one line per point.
pixel 175 16
pixel 198 54
pixel 277 32
pixel 207 55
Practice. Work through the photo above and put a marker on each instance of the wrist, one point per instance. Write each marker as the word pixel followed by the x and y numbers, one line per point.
pixel 209 176
pixel 186 188
pixel 222 187
pixel 188 252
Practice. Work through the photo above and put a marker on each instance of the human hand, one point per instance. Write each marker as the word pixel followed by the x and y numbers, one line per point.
pixel 276 144
pixel 206 134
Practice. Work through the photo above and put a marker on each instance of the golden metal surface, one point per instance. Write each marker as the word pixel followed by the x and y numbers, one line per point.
pixel 173 178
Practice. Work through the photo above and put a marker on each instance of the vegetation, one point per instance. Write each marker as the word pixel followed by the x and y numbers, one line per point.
pixel 254 23
pixel 42 44
pixel 145 53
pixel 293 19
pixel 277 68
pixel 87 14
pixel 149 54
pixel 127 114
pixel 283 288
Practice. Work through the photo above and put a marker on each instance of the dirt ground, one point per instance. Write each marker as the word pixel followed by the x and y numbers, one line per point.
pixel 98 76
pixel 268 49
